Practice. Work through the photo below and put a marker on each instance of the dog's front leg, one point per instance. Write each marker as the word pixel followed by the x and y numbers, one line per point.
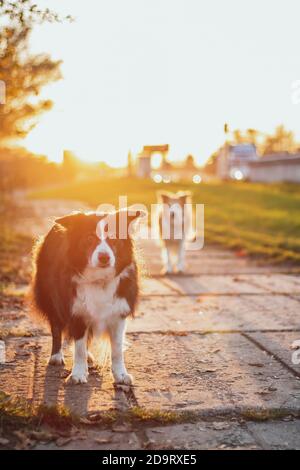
pixel 116 334
pixel 181 257
pixel 80 372
pixel 166 257
pixel 57 357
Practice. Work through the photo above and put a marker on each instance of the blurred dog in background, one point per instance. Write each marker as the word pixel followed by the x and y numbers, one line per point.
pixel 175 226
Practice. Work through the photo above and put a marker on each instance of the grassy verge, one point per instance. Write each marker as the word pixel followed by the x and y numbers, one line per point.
pixel 22 426
pixel 261 220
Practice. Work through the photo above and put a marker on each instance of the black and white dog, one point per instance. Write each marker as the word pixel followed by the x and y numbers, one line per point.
pixel 86 284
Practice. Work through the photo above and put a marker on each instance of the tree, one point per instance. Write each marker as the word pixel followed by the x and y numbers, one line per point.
pixel 211 164
pixel 250 136
pixel 238 136
pixel 22 73
pixel 281 141
pixel 190 162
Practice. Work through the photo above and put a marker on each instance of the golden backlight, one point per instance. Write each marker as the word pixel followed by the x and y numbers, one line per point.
pixel 142 72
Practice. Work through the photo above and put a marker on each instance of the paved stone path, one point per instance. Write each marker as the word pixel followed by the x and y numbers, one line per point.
pixel 216 344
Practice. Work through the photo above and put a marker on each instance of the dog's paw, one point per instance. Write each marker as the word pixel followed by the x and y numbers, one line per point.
pixel 180 268
pixel 57 359
pixel 78 377
pixel 166 271
pixel 90 359
pixel 123 379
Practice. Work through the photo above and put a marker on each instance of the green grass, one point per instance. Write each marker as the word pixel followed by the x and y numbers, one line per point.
pixel 259 219
pixel 18 416
pixel 19 419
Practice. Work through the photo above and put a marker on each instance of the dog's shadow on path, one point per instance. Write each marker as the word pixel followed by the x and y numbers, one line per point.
pixel 57 391
pixel 84 399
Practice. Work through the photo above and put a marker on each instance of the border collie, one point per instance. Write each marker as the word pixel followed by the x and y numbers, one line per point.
pixel 175 225
pixel 86 283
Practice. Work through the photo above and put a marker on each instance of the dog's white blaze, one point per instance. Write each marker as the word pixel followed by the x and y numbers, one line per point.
pixel 103 246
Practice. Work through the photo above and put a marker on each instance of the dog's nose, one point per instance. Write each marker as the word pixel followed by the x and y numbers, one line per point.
pixel 103 259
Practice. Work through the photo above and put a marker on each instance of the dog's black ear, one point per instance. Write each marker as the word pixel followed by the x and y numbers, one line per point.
pixel 69 220
pixel 164 197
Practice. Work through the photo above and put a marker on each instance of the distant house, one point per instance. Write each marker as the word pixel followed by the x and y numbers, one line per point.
pixel 166 172
pixel 241 162
pixel 234 160
pixel 144 167
pixel 275 168
pixel 178 171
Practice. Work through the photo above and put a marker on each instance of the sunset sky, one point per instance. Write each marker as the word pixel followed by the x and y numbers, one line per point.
pixel 166 71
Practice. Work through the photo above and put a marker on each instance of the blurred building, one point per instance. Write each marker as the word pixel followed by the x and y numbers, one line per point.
pixel 166 171
pixel 144 165
pixel 276 168
pixel 185 170
pixel 241 162
pixel 233 161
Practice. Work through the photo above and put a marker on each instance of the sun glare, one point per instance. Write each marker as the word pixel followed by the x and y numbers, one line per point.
pixel 130 79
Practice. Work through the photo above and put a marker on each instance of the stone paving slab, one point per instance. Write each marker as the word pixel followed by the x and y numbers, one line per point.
pixel 97 440
pixel 215 372
pixel 17 373
pixel 210 261
pixel 274 282
pixel 277 434
pixel 196 266
pixel 216 313
pixel 202 373
pixel 211 284
pixel 281 345
pixel 153 247
pixel 29 376
pixel 203 435
pixel 19 323
pixel 214 435
pixel 151 286
pixel 224 435
pixel 243 283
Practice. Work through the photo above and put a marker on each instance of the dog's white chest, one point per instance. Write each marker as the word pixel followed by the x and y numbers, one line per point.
pixel 95 303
